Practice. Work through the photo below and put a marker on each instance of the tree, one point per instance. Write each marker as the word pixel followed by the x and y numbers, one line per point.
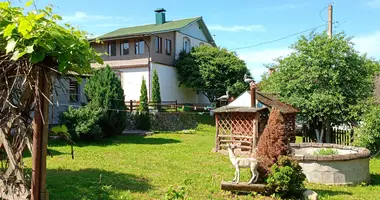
pixel 143 106
pixel 273 142
pixel 324 78
pixel 212 71
pixel 156 94
pixel 104 90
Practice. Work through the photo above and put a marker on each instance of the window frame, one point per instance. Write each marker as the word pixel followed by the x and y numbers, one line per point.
pixel 74 91
pixel 122 48
pixel 158 44
pixel 187 47
pixel 168 51
pixel 138 50
pixel 110 48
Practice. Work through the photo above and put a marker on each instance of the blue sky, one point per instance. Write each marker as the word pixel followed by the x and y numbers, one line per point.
pixel 235 23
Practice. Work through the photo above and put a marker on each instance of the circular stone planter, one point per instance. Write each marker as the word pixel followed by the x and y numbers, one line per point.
pixel 349 167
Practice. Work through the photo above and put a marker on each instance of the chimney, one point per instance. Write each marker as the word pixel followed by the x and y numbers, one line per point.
pixel 252 86
pixel 160 16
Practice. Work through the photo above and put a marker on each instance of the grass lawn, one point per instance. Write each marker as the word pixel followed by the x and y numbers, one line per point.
pixel 132 167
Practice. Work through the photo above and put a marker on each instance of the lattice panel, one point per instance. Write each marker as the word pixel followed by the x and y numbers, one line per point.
pixel 236 124
pixel 290 126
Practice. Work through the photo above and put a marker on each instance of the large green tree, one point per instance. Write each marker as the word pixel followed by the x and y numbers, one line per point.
pixel 156 93
pixel 212 71
pixel 104 90
pixel 325 78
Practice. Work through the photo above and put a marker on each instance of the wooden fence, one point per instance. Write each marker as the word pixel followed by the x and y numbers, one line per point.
pixel 169 106
pixel 343 137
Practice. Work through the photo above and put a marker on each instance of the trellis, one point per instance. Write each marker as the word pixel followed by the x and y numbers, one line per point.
pixel 238 126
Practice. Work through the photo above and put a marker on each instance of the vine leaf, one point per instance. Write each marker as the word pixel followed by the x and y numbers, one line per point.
pixel 17 54
pixel 28 3
pixel 37 57
pixel 8 30
pixel 11 45
pixel 29 49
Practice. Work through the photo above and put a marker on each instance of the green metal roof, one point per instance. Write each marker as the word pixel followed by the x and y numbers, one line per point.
pixel 150 28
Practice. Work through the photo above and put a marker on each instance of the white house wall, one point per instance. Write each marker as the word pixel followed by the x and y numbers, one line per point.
pixel 169 86
pixel 131 82
pixel 194 31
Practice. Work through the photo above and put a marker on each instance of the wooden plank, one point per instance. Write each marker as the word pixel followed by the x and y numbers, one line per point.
pixel 239 147
pixel 237 141
pixel 242 186
pixel 236 136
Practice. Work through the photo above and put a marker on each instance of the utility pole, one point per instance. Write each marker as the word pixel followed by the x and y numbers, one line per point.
pixel 330 18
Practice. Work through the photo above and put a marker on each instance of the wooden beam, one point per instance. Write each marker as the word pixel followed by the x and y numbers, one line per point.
pixel 235 136
pixel 242 186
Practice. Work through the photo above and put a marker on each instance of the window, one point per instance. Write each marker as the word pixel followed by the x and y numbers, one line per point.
pixel 74 91
pixel 139 47
pixel 168 47
pixel 112 48
pixel 186 44
pixel 124 48
pixel 201 44
pixel 158 44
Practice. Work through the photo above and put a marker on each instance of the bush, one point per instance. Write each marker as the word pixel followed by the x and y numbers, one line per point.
pixel 142 121
pixel 368 133
pixel 104 90
pixel 82 123
pixel 285 177
pixel 326 152
pixel 273 142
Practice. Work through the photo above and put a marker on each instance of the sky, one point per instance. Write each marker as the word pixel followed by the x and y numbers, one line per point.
pixel 235 24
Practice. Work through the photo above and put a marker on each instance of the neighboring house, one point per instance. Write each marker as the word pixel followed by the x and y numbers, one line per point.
pixel 67 92
pixel 134 52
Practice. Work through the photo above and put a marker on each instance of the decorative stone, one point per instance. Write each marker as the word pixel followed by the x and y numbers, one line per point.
pixel 310 195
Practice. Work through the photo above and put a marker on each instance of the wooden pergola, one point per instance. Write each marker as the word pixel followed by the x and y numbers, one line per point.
pixel 244 125
pixel 238 125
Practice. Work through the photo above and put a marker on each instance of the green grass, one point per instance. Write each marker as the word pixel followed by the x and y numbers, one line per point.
pixel 132 167
pixel 326 152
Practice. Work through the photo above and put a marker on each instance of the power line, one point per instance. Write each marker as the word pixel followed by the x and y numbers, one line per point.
pixel 276 40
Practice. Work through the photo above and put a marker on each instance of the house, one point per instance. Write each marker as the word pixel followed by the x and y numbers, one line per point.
pixel 134 52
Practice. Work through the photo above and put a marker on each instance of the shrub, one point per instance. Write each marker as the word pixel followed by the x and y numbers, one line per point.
pixel 285 177
pixel 104 90
pixel 156 94
pixel 368 133
pixel 273 142
pixel 143 105
pixel 326 152
pixel 142 120
pixel 82 123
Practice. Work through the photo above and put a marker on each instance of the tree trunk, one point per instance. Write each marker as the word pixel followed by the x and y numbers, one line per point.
pixel 319 134
pixel 328 131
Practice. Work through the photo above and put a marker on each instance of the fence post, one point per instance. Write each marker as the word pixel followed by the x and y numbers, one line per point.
pixel 131 105
pixel 176 104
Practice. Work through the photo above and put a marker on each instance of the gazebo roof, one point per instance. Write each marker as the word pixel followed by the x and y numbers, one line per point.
pixel 239 109
pixel 271 100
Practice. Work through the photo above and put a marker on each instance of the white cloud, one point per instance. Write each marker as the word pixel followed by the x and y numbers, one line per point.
pixel 237 28
pixel 369 44
pixel 256 59
pixel 82 16
pixel 374 3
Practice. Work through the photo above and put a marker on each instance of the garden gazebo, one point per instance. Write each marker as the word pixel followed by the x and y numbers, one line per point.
pixel 242 122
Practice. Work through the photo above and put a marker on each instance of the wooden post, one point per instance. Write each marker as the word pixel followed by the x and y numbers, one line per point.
pixel 217 132
pixel 330 18
pixel 255 131
pixel 40 135
pixel 131 105
pixel 176 105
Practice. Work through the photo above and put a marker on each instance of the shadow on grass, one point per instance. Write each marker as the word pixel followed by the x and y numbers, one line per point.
pixel 116 140
pixel 51 152
pixel 324 193
pixel 375 179
pixel 92 184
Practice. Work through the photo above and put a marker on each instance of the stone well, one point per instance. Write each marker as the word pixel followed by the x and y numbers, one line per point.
pixel 349 167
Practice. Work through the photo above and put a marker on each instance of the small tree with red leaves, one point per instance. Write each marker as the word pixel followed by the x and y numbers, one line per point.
pixel 273 142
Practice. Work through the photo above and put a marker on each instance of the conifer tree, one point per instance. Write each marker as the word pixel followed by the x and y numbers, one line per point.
pixel 156 94
pixel 143 106
pixel 273 142
pixel 104 91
